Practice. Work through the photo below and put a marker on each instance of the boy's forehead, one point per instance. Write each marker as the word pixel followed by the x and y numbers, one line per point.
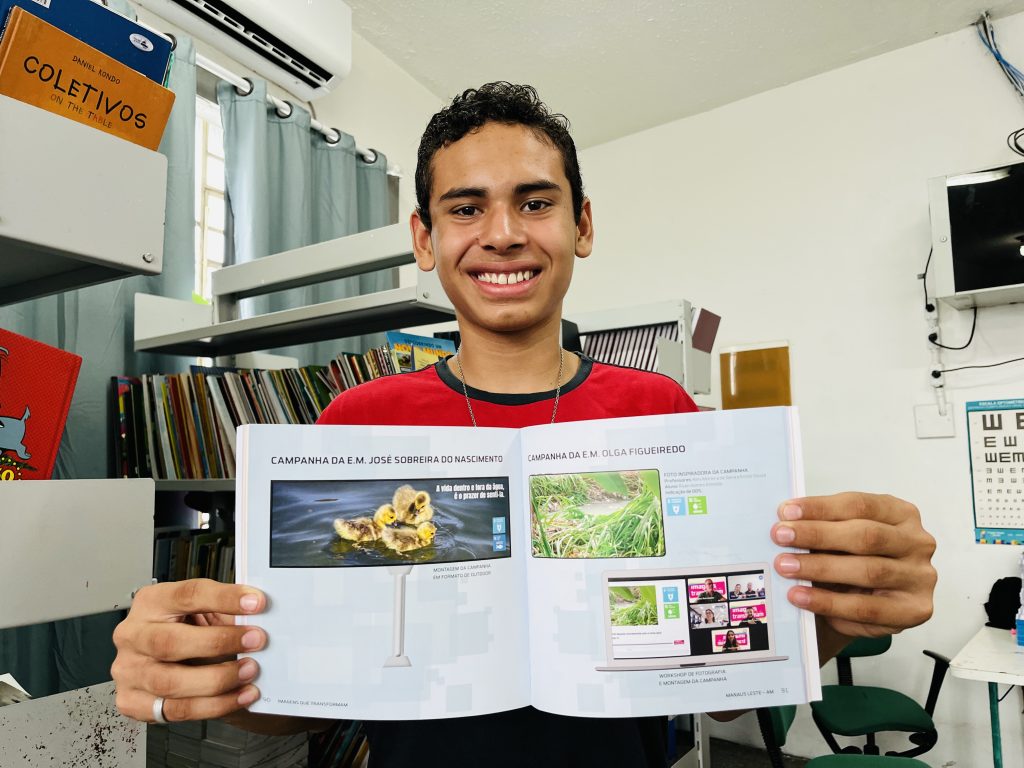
pixel 495 156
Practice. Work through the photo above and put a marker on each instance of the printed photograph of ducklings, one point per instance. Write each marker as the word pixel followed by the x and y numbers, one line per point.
pixel 597 515
pixel 339 523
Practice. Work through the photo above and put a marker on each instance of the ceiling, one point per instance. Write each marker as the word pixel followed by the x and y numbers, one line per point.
pixel 619 66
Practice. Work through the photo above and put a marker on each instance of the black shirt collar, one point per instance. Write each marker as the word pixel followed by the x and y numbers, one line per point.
pixel 449 378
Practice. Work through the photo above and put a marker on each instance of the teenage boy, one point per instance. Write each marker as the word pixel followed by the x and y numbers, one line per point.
pixel 502 217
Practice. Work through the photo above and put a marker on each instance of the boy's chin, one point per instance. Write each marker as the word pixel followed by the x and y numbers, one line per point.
pixel 505 324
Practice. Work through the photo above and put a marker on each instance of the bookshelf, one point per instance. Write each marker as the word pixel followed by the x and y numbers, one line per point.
pixel 184 328
pixel 65 192
pixel 73 547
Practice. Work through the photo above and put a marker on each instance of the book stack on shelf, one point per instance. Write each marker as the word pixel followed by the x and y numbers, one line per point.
pixel 343 746
pixel 85 62
pixel 187 553
pixel 182 426
pixel 215 744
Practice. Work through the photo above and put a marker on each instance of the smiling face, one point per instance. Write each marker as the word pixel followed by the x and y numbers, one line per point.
pixel 503 236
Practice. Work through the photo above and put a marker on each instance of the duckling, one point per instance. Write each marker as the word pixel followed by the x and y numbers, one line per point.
pixel 405 538
pixel 412 507
pixel 418 514
pixel 365 528
pixel 403 499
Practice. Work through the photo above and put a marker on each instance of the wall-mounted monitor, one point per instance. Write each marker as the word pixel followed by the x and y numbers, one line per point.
pixel 978 236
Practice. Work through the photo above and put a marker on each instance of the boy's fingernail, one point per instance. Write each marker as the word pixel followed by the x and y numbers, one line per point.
pixel 247 670
pixel 800 597
pixel 788 564
pixel 792 512
pixel 251 639
pixel 249 602
pixel 248 696
pixel 784 534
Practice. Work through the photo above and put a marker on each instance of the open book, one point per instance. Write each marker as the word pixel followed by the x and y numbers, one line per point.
pixel 597 568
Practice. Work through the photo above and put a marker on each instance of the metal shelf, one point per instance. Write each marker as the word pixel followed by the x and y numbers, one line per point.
pixel 57 545
pixel 64 191
pixel 209 485
pixel 182 328
pixel 382 311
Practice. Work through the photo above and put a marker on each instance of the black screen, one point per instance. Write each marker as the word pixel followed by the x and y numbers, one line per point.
pixel 986 222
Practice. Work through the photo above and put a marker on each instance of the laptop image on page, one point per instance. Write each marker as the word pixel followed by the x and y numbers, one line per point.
pixel 688 617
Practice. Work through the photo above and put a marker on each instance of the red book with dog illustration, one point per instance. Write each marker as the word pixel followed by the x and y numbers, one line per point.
pixel 36 384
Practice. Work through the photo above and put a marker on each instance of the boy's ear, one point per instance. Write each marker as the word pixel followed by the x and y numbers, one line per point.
pixel 422 248
pixel 585 231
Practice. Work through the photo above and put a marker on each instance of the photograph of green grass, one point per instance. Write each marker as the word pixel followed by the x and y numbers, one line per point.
pixel 633 606
pixel 597 514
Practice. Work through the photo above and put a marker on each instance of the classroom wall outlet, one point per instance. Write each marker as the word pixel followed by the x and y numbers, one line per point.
pixel 930 423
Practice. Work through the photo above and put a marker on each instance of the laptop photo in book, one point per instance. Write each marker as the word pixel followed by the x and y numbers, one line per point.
pixel 688 617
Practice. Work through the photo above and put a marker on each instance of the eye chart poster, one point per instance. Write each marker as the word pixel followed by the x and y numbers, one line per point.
pixel 995 434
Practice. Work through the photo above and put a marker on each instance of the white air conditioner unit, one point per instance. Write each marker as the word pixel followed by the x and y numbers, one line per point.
pixel 304 46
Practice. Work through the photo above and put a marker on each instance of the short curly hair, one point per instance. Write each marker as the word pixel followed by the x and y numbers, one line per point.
pixel 499 102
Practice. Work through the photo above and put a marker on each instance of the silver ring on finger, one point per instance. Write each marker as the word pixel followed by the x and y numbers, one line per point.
pixel 158 711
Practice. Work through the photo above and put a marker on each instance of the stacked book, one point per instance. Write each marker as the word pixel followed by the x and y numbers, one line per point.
pixel 343 746
pixel 85 62
pixel 182 426
pixel 182 553
pixel 214 744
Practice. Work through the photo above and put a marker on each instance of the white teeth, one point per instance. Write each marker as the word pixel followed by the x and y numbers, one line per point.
pixel 505 278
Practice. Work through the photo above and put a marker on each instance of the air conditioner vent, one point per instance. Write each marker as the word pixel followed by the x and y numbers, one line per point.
pixel 254 37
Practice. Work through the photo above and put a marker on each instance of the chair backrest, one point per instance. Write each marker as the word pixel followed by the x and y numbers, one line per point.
pixel 866 646
pixel 774 723
pixel 862 646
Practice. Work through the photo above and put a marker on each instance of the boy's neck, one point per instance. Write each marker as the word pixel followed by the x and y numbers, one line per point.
pixel 514 364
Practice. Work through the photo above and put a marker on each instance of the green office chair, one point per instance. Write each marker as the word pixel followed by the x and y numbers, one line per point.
pixel 862 710
pixel 775 722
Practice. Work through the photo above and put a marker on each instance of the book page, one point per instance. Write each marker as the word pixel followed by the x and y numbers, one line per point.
pixel 386 554
pixel 650 578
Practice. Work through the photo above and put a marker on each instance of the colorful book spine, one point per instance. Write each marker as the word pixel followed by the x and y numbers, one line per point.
pixel 104 29
pixel 47 68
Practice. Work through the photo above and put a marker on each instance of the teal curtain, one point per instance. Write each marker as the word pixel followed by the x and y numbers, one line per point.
pixel 289 187
pixel 96 323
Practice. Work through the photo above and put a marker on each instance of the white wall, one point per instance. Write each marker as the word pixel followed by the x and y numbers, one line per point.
pixel 801 214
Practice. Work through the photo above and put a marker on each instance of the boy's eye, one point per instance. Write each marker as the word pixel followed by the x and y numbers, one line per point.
pixel 536 205
pixel 465 210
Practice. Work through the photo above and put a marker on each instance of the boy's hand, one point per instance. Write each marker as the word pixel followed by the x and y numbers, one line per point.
pixel 869 561
pixel 179 641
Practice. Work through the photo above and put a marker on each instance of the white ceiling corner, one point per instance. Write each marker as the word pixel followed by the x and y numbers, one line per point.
pixel 617 67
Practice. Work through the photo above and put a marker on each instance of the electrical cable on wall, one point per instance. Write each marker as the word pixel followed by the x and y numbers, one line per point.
pixel 987 33
pixel 933 336
pixel 931 312
pixel 929 307
pixel 936 374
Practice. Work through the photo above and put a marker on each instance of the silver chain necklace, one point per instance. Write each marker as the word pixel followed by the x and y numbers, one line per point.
pixel 465 390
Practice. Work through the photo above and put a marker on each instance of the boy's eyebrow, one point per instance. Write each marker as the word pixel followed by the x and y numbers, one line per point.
pixel 526 188
pixel 541 185
pixel 456 192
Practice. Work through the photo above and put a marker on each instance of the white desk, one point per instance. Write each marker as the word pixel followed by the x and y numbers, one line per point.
pixel 991 656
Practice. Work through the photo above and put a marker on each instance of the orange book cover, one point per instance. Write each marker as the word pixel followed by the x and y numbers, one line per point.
pixel 48 68
pixel 36 385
